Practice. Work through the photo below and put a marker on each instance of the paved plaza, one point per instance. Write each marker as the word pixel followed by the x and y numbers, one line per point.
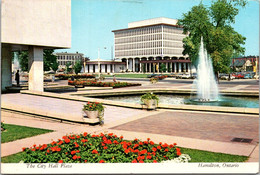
pixel 211 131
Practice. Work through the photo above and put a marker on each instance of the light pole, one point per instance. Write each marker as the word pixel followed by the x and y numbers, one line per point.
pixel 99 62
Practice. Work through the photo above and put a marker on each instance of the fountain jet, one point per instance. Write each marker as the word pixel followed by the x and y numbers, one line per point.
pixel 205 83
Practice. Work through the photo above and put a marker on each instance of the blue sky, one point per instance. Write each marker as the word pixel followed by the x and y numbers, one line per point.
pixel 92 22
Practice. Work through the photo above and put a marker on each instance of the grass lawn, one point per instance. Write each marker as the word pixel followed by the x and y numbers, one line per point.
pixel 15 132
pixel 196 156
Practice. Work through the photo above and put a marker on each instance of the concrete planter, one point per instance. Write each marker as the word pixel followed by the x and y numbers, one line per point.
pixel 91 114
pixel 151 104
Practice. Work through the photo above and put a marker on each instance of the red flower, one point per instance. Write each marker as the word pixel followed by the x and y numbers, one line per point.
pixel 148 139
pixel 154 161
pixel 149 157
pixel 85 134
pixel 121 137
pixel 34 145
pixel 110 134
pixel 33 149
pixel 143 151
pixel 154 149
pixel 151 142
pixel 159 147
pixel 178 149
pixel 136 145
pixel 101 161
pixel 67 140
pixel 48 151
pixel 115 142
pixel 175 144
pixel 145 142
pixel 134 161
pixel 94 152
pixel 73 152
pixel 74 157
pixel 83 140
pixel 178 153
pixel 126 151
pixel 60 161
pixel 166 150
pixel 140 143
pixel 97 102
pixel 105 147
pixel 24 149
pixel 86 161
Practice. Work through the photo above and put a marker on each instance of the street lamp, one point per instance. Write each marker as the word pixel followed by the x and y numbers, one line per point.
pixel 99 62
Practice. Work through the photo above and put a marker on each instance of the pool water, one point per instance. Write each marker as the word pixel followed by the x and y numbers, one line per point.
pixel 228 101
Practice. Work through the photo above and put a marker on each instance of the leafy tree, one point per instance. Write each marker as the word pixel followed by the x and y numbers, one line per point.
pixel 162 68
pixel 55 66
pixel 214 25
pixel 68 67
pixel 48 59
pixel 23 60
pixel 77 67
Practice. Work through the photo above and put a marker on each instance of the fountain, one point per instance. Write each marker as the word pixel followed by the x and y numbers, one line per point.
pixel 205 83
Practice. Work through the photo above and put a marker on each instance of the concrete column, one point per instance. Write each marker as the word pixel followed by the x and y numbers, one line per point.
pixel 6 67
pixel 127 63
pixel 184 67
pixel 133 65
pixel 35 67
pixel 113 68
pixel 166 67
pixel 175 68
pixel 179 67
pixel 150 67
pixel 140 67
pixel 146 67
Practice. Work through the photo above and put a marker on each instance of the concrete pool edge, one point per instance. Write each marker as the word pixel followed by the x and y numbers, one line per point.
pixel 139 106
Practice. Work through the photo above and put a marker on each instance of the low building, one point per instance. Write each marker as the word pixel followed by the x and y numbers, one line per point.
pixel 106 66
pixel 63 58
pixel 245 64
pixel 147 44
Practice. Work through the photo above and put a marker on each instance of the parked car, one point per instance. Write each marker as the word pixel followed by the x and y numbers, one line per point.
pixel 238 76
pixel 194 75
pixel 179 76
pixel 152 75
pixel 185 76
pixel 248 76
pixel 226 76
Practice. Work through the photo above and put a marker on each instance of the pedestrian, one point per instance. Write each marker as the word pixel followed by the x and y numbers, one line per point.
pixel 114 79
pixel 17 78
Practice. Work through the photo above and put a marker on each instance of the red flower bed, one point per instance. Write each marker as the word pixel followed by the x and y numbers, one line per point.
pixel 67 76
pixel 101 84
pixel 102 148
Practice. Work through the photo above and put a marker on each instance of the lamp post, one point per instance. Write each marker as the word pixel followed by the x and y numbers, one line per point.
pixel 99 62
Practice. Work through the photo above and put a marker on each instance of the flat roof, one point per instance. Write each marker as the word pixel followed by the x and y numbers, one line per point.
pixel 177 26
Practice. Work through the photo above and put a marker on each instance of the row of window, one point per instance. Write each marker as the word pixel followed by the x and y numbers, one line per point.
pixel 68 57
pixel 172 51
pixel 157 51
pixel 152 37
pixel 148 45
pixel 138 38
pixel 140 31
pixel 63 63
pixel 138 45
pixel 173 30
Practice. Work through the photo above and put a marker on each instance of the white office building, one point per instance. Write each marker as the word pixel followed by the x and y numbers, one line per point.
pixel 147 44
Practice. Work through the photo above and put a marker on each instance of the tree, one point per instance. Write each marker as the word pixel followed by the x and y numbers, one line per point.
pixel 214 25
pixel 48 59
pixel 23 60
pixel 55 66
pixel 68 67
pixel 162 68
pixel 77 67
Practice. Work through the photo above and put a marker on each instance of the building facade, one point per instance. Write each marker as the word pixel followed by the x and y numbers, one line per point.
pixel 243 64
pixel 147 44
pixel 105 66
pixel 32 25
pixel 63 58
